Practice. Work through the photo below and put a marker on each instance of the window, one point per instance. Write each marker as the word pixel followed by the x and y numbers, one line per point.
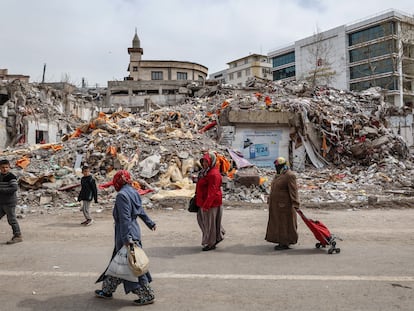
pixel 372 50
pixel 156 75
pixel 239 74
pixel 247 72
pixel 181 76
pixel 231 76
pixel 284 73
pixel 372 68
pixel 372 33
pixel 135 68
pixel 389 83
pixel 41 137
pixel 283 59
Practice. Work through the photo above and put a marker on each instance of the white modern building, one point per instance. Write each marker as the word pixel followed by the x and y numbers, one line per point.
pixel 377 51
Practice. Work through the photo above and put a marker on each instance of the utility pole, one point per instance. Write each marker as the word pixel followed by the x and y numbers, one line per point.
pixel 44 72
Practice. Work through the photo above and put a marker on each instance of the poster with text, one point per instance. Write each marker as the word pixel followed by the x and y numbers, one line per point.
pixel 261 147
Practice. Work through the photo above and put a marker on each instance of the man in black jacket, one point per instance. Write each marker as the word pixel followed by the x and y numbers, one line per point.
pixel 88 193
pixel 8 199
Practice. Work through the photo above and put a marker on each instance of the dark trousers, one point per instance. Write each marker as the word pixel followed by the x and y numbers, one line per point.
pixel 10 212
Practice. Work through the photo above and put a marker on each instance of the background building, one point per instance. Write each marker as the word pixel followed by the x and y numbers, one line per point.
pixel 5 76
pixel 243 69
pixel 160 82
pixel 377 51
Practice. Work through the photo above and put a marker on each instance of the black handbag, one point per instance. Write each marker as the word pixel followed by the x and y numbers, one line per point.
pixel 192 206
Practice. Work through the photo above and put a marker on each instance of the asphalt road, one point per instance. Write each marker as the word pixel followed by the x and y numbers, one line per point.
pixel 57 264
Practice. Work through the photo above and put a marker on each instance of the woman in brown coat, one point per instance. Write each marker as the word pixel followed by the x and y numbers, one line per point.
pixel 283 202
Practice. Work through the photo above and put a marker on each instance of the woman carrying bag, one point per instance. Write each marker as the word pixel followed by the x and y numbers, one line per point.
pixel 209 199
pixel 127 231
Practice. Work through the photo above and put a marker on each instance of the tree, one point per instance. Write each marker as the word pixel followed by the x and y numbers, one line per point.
pixel 319 56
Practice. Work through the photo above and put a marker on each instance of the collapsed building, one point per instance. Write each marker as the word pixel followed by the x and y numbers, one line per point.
pixel 337 141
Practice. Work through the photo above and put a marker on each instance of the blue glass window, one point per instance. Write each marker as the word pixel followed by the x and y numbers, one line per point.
pixel 372 33
pixel 284 73
pixel 372 50
pixel 388 83
pixel 283 59
pixel 372 68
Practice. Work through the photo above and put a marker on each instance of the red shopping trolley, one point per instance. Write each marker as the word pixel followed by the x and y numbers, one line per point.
pixel 321 233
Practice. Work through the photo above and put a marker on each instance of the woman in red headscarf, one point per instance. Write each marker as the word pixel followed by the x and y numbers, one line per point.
pixel 127 208
pixel 209 199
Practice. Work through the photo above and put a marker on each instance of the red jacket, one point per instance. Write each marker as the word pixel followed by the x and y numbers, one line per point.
pixel 208 188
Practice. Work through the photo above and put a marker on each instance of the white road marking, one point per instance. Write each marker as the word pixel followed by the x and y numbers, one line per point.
pixel 166 275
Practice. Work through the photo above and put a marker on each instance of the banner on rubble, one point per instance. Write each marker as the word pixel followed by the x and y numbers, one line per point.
pixel 260 146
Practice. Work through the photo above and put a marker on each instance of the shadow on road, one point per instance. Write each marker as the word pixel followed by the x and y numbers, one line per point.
pixel 172 251
pixel 85 301
pixel 240 249
pixel 65 224
pixel 268 250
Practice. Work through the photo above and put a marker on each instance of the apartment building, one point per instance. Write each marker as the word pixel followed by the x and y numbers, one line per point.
pixel 376 51
pixel 162 82
pixel 242 69
pixel 5 76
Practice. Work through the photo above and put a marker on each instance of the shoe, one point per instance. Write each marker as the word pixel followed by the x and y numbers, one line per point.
pixel 217 242
pixel 84 222
pixel 208 248
pixel 100 294
pixel 281 247
pixel 145 295
pixel 15 239
pixel 143 301
pixel 89 222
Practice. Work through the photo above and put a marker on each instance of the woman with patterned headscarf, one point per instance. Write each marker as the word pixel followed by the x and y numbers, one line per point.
pixel 127 231
pixel 209 199
pixel 283 202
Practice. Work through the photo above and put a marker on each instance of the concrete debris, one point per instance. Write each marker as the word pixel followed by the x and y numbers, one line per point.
pixel 351 154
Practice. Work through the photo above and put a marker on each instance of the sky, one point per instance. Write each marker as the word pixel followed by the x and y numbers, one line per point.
pixel 89 39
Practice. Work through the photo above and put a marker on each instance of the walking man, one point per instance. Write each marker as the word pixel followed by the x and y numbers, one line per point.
pixel 8 199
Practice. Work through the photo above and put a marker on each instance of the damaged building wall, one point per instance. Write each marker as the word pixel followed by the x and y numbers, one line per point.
pixel 133 96
pixel 33 113
pixel 403 126
pixel 3 133
pixel 260 136
pixel 41 131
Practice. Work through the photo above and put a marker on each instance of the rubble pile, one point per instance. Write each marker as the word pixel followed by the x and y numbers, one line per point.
pixel 363 159
pixel 351 126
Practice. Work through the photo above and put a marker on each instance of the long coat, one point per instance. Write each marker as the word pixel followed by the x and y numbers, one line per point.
pixel 128 207
pixel 283 199
pixel 208 188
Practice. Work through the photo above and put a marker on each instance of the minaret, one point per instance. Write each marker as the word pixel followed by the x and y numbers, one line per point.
pixel 135 53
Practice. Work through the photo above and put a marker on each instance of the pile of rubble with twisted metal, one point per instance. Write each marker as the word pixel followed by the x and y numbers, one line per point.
pixel 363 159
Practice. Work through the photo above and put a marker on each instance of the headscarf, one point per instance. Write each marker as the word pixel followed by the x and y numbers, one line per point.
pixel 211 159
pixel 120 179
pixel 281 165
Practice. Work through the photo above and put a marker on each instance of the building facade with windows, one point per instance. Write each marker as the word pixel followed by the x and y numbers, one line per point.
pixel 5 76
pixel 243 69
pixel 162 82
pixel 377 51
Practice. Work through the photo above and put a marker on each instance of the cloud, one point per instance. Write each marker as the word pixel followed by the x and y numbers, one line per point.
pixel 89 39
